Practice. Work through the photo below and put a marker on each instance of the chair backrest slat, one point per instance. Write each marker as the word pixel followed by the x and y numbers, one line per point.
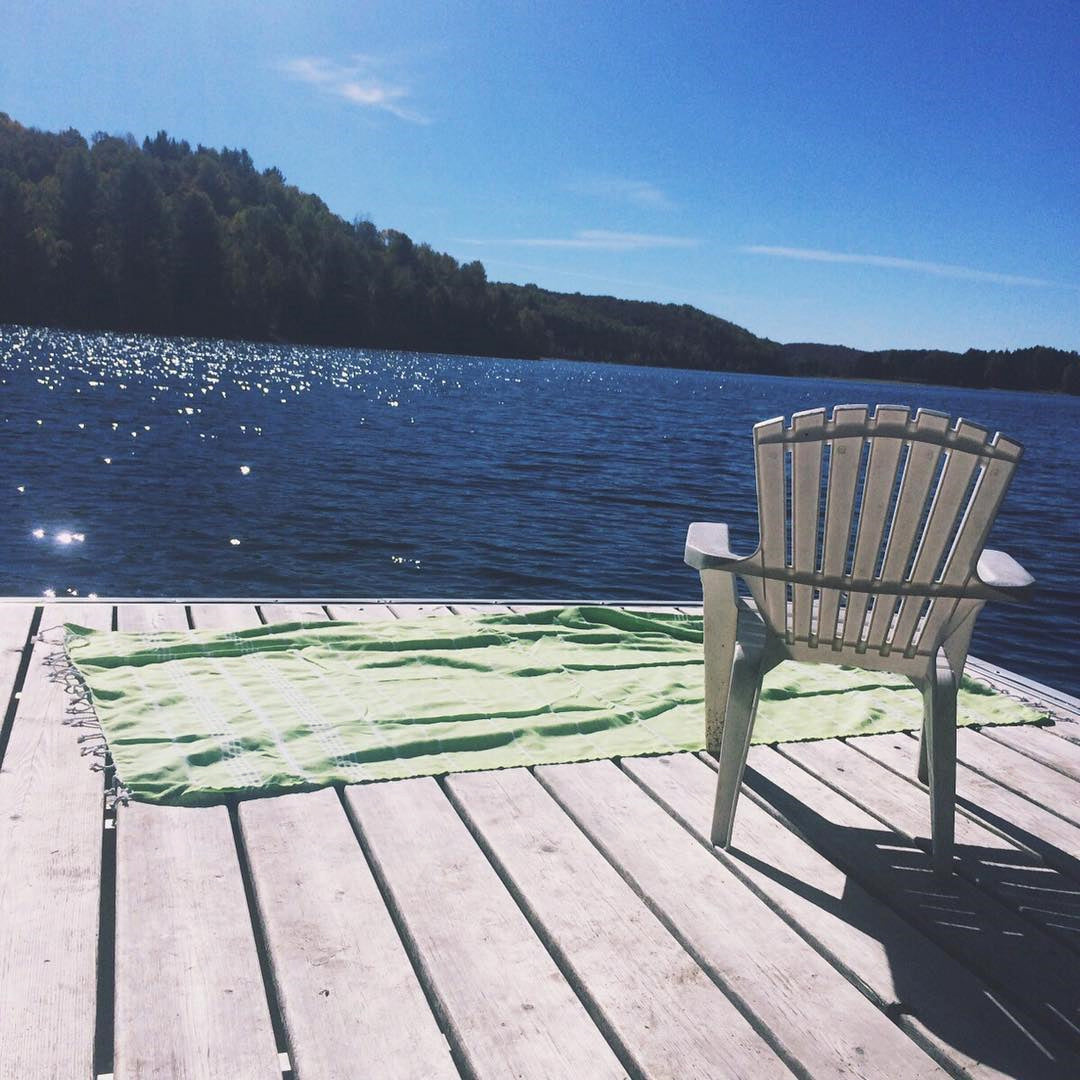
pixel 969 542
pixel 769 462
pixel 807 429
pixel 913 512
pixel 919 470
pixel 949 504
pixel 877 500
pixel 948 507
pixel 845 455
pixel 983 508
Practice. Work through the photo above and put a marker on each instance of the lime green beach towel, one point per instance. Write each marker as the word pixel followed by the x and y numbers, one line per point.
pixel 194 717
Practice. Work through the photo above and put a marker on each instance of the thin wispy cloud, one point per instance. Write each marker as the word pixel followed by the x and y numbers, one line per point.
pixel 892 262
pixel 600 240
pixel 357 83
pixel 619 189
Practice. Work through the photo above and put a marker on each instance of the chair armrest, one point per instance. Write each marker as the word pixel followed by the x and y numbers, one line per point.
pixel 1000 572
pixel 708 547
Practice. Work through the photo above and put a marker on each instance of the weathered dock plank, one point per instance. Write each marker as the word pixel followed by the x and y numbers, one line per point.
pixel 199 1007
pixel 506 1008
pixel 52 813
pixel 359 612
pixel 351 1003
pixel 285 612
pixel 1015 957
pixel 754 955
pixel 1040 745
pixel 15 622
pixel 1011 682
pixel 1015 864
pixel 990 807
pixel 151 618
pixel 581 906
pixel 1039 783
pixel 953 1014
pixel 224 616
pixel 664 1011
pixel 189 993
pixel 415 611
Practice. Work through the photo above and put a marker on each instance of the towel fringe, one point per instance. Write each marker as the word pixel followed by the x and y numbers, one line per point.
pixel 80 713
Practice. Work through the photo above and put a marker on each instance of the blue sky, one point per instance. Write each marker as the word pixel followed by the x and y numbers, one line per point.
pixel 873 174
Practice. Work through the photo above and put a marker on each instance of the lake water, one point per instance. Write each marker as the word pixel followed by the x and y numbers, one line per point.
pixel 138 466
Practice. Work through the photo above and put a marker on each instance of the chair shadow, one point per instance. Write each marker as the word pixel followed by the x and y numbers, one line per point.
pixel 1006 916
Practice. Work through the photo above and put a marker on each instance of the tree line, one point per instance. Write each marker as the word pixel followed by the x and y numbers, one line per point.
pixel 160 237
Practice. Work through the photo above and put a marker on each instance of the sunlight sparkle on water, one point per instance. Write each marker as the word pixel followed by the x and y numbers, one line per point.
pixel 38 534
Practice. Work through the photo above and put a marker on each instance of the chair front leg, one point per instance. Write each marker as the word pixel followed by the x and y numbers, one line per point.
pixel 955 648
pixel 720 625
pixel 939 747
pixel 745 688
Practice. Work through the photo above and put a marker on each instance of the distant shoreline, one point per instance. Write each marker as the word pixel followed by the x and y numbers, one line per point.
pixel 163 238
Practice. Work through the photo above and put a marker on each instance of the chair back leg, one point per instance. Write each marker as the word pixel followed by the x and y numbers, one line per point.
pixel 939 749
pixel 744 689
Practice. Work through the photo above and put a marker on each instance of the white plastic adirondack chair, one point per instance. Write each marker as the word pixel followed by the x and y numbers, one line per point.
pixel 871 555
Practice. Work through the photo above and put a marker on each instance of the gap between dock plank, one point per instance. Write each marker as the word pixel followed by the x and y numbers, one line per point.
pixel 791 993
pixel 504 1004
pixel 932 996
pixel 51 807
pixel 1038 744
pixel 1020 853
pixel 647 994
pixel 290 613
pixel 348 995
pixel 17 623
pixel 189 989
pixel 359 612
pixel 1011 954
pixel 224 617
pixel 1003 866
pixel 189 992
pixel 1036 782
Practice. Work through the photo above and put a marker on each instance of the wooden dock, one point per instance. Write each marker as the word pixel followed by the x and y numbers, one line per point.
pixel 564 921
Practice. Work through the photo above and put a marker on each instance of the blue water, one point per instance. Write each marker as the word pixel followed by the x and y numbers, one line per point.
pixel 138 466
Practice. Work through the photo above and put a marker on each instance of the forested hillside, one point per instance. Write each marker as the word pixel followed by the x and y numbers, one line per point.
pixel 167 239
pixel 1037 368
